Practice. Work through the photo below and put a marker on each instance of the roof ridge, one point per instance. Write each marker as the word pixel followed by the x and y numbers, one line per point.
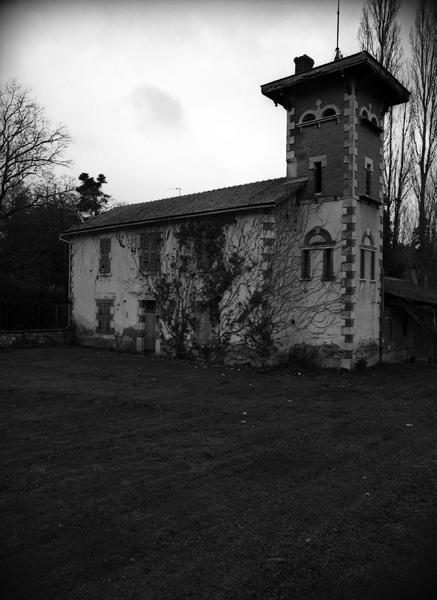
pixel 226 187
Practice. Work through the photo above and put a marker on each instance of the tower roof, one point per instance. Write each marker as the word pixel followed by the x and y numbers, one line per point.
pixel 362 64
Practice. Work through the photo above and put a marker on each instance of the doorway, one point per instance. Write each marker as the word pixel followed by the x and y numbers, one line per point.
pixel 150 325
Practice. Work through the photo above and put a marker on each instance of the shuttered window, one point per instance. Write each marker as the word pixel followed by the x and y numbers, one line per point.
pixel 105 256
pixel 306 264
pixel 150 252
pixel 104 315
pixel 328 267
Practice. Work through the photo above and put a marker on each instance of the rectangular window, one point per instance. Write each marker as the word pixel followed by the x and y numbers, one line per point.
pixel 328 267
pixel 150 305
pixel 150 252
pixel 317 177
pixel 105 256
pixel 372 265
pixel 369 181
pixel 362 264
pixel 104 315
pixel 306 264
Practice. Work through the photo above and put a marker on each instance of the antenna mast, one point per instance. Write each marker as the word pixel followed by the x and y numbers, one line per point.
pixel 179 189
pixel 338 54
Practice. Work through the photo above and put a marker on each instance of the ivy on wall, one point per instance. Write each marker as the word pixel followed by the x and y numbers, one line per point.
pixel 205 274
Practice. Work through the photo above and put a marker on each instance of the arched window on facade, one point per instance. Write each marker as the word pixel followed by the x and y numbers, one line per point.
pixel 367 257
pixel 318 255
pixel 308 117
pixel 328 112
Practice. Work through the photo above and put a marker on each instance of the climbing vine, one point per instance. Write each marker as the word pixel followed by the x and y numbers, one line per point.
pixel 211 272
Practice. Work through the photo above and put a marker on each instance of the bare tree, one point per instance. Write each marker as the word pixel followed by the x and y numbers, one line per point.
pixel 402 171
pixel 424 137
pixel 379 32
pixel 29 148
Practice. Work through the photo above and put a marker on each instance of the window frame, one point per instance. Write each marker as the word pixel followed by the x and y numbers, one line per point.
pixel 328 264
pixel 367 266
pixel 105 256
pixel 150 252
pixel 326 246
pixel 104 316
pixel 318 178
pixel 308 117
pixel 368 180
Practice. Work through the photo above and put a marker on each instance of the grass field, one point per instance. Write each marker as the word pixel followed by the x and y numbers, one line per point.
pixel 128 477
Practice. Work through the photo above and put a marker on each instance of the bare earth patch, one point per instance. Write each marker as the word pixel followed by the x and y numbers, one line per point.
pixel 129 477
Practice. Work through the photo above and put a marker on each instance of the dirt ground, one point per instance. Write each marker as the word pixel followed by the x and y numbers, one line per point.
pixel 130 477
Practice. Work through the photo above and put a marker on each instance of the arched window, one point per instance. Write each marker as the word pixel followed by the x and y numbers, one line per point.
pixel 365 114
pixel 374 121
pixel 317 236
pixel 328 112
pixel 367 257
pixel 308 117
pixel 318 255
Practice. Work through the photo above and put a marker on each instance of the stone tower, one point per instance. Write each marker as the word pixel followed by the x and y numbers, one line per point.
pixel 334 134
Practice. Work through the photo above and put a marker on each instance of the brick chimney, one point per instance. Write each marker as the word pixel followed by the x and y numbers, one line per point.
pixel 303 63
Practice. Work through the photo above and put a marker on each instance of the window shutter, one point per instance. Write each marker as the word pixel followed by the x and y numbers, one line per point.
pixel 327 264
pixel 150 247
pixel 144 253
pixel 306 264
pixel 372 265
pixel 362 264
pixel 105 251
pixel 155 247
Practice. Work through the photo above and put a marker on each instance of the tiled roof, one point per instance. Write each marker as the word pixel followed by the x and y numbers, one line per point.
pixel 258 194
pixel 408 291
pixel 399 93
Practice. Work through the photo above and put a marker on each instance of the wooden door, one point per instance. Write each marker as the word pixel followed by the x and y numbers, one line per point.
pixel 150 326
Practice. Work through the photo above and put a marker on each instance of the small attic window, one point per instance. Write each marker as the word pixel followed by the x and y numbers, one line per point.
pixel 328 112
pixel 374 121
pixel 365 114
pixel 309 117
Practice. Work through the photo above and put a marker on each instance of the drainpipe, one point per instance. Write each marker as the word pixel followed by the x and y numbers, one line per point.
pixel 434 337
pixel 69 279
pixel 381 316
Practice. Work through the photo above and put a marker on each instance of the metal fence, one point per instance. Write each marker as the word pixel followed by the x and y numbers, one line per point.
pixel 30 315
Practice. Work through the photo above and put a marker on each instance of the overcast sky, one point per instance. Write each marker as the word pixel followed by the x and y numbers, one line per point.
pixel 161 94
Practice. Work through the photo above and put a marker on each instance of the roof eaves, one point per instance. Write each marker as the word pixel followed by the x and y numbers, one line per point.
pixel 295 184
pixel 164 219
pixel 363 57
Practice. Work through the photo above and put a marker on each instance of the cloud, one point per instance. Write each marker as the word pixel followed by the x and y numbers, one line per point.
pixel 155 108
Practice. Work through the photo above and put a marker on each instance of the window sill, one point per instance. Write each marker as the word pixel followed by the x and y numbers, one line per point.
pixel 104 274
pixel 318 121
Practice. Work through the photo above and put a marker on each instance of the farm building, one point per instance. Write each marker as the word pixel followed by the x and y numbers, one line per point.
pixel 260 271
